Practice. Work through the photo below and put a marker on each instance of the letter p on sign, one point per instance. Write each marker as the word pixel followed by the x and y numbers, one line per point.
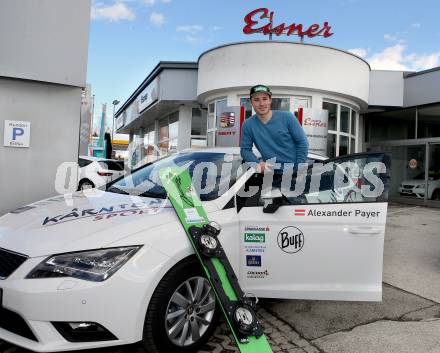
pixel 17 131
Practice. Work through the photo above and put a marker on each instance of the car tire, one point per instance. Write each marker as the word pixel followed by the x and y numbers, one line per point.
pixel 85 184
pixel 174 322
pixel 436 195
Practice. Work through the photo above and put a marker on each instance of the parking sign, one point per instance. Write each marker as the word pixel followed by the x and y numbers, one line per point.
pixel 17 133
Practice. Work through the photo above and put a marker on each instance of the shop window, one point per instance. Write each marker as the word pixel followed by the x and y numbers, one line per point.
pixel 428 121
pixel 332 114
pixel 163 129
pixel 331 145
pixel 246 103
pixel 220 108
pixel 343 145
pixel 198 128
pixel 198 122
pixel 149 143
pixel 352 145
pixel 353 122
pixel 393 125
pixel 345 119
pixel 173 127
pixel 281 104
pixel 168 133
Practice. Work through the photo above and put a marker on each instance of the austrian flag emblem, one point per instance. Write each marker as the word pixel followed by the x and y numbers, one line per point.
pixel 300 212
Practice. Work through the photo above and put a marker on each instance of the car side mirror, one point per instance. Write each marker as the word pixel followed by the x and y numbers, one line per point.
pixel 272 200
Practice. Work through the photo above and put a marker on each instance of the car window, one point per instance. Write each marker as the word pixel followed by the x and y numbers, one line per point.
pixel 83 162
pixel 112 165
pixel 356 178
pixel 209 171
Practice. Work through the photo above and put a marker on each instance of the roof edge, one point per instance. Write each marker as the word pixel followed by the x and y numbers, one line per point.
pixel 422 72
pixel 162 65
pixel 286 42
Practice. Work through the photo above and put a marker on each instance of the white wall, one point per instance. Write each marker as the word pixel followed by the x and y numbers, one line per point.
pixel 45 40
pixel 423 88
pixel 178 84
pixel 28 174
pixel 283 64
pixel 386 88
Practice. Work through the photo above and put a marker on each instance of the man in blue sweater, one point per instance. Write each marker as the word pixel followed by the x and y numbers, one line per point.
pixel 276 134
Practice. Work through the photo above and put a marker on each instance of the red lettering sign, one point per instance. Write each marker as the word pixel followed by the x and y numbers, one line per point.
pixel 253 25
pixel 315 123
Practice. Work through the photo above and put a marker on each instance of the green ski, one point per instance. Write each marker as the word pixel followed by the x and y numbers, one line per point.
pixel 238 309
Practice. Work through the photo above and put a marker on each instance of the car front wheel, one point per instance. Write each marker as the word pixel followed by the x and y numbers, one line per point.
pixel 182 312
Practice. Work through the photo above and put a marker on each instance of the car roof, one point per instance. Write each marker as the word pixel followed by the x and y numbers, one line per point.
pixel 236 150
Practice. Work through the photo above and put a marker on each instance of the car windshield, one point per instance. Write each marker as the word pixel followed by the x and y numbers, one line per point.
pixel 212 174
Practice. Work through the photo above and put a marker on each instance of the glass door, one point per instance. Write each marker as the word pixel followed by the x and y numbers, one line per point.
pixel 407 184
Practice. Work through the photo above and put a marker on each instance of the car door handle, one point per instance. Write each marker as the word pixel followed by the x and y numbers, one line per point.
pixel 363 231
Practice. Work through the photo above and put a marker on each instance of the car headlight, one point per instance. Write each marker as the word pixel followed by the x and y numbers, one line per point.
pixel 420 186
pixel 92 265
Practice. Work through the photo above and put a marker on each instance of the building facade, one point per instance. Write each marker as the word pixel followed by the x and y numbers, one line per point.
pixel 179 105
pixel 42 72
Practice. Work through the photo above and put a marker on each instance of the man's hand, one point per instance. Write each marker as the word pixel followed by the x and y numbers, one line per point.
pixel 263 166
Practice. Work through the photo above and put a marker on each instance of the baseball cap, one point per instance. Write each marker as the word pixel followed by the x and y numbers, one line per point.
pixel 260 89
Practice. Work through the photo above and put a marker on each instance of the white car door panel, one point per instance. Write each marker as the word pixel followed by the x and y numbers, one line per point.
pixel 327 251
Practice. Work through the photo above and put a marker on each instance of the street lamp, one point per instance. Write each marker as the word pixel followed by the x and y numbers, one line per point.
pixel 115 103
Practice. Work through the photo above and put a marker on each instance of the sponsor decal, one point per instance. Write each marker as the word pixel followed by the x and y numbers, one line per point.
pixel 254 237
pixel 300 212
pixel 290 239
pixel 255 249
pixel 337 213
pixel 256 229
pixel 257 274
pixel 125 209
pixel 192 216
pixel 147 211
pixel 253 260
pixel 227 119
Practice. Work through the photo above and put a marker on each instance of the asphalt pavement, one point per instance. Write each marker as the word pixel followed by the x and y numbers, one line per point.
pixel 407 319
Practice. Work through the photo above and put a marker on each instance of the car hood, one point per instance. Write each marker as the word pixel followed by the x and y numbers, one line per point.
pixel 413 182
pixel 81 221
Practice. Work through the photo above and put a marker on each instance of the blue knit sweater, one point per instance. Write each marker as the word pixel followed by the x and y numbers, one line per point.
pixel 281 137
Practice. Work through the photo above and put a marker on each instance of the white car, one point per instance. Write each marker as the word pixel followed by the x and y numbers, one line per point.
pixel 416 187
pixel 113 268
pixel 96 172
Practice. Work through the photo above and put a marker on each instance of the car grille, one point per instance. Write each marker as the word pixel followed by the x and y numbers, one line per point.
pixel 14 323
pixel 408 186
pixel 9 262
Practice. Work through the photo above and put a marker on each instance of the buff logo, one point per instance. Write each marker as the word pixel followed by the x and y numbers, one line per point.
pixel 290 239
pixel 254 237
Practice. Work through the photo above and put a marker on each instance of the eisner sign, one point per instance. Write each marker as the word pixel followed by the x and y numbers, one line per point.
pixel 252 25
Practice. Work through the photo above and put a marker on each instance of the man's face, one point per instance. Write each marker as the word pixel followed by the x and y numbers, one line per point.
pixel 261 102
